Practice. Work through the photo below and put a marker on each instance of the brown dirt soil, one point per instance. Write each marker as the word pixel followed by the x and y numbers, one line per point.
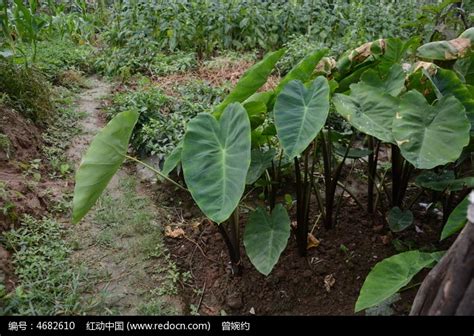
pixel 24 136
pixel 326 282
pixel 19 192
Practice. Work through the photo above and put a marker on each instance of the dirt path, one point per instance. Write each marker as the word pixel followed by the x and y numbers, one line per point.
pixel 119 244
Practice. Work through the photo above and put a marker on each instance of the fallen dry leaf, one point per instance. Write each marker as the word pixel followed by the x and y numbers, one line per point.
pixel 176 233
pixel 329 281
pixel 312 241
pixel 386 239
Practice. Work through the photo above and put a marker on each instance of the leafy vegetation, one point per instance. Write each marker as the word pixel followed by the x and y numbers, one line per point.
pixel 163 117
pixel 48 283
pixel 27 90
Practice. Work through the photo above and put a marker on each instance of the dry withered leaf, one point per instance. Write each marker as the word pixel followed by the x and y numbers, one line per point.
pixel 329 281
pixel 173 233
pixel 312 241
pixel 386 239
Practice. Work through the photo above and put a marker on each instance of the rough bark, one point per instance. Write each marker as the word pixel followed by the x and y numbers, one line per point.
pixel 449 287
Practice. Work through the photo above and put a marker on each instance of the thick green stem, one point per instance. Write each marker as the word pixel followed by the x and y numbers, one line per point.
pixel 156 172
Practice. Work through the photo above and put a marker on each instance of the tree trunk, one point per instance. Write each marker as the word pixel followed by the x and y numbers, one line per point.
pixel 449 287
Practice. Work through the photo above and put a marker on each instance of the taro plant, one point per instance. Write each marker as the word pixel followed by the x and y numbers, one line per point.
pixel 215 155
pixel 432 128
pixel 386 103
pixel 420 113
pixel 300 114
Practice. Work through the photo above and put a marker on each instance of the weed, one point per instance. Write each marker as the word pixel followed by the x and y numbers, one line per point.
pixel 7 207
pixel 5 145
pixel 47 283
pixel 32 169
pixel 156 306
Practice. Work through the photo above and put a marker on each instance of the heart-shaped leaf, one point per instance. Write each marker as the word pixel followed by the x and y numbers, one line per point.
pixel 266 236
pixel 300 114
pixel 369 110
pixel 429 136
pixel 392 83
pixel 445 181
pixel 399 220
pixel 101 161
pixel 447 83
pixel 391 274
pixel 172 161
pixel 259 162
pixel 215 160
pixel 457 219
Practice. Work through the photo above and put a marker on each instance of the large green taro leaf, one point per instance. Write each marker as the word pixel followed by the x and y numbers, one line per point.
pixel 303 70
pixel 369 110
pixel 266 236
pixel 251 81
pixel 445 181
pixel 259 162
pixel 447 82
pixel 300 113
pixel 391 274
pixel 457 219
pixel 395 50
pixel 101 161
pixel 393 82
pixel 215 160
pixel 430 135
pixel 398 219
pixel 173 160
pixel 448 50
pixel 465 67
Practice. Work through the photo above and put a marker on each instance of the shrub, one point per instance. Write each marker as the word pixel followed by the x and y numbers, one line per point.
pixel 163 118
pixel 27 89
pixel 57 56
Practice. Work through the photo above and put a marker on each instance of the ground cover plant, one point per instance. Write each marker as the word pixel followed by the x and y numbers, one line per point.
pixel 304 152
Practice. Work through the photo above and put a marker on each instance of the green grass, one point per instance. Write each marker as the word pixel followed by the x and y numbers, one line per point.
pixel 47 282
pixel 28 91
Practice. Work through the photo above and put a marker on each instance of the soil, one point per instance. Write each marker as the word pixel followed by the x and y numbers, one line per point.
pixel 326 282
pixel 19 194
